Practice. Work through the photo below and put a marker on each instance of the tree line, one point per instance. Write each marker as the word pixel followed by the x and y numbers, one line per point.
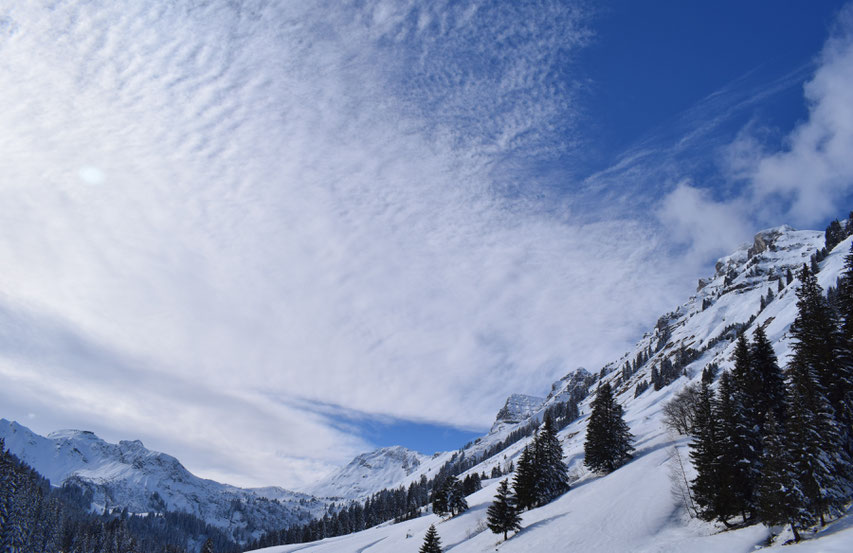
pixel 775 446
pixel 37 517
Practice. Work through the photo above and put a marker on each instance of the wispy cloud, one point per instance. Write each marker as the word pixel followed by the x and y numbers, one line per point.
pixel 244 202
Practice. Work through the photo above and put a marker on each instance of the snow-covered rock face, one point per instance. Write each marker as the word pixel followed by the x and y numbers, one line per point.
pixel 518 407
pixel 128 475
pixel 371 472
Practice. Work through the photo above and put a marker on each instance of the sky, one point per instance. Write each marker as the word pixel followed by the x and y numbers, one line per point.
pixel 267 236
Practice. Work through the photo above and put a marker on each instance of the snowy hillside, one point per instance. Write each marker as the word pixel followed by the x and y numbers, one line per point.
pixel 370 472
pixel 638 508
pixel 127 475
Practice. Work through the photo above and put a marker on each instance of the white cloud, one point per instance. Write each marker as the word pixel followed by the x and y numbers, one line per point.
pixel 274 222
pixel 708 227
pixel 814 171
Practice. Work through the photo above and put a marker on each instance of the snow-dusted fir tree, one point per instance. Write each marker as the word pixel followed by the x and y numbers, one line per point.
pixel 449 498
pixel 432 542
pixel 208 546
pixel 608 439
pixel 737 444
pixel 456 502
pixel 551 478
pixel 814 435
pixel 818 343
pixel 704 453
pixel 524 482
pixel 502 514
pixel 780 496
pixel 770 395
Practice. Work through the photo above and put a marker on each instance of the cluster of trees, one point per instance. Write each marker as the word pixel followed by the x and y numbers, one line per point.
pixel 671 369
pixel 775 446
pixel 631 367
pixel 540 477
pixel 449 498
pixel 37 517
pixel 608 440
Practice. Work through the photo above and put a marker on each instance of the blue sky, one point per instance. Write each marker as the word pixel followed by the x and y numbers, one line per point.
pixel 265 237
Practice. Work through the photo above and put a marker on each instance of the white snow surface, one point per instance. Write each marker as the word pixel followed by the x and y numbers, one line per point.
pixel 127 475
pixel 638 507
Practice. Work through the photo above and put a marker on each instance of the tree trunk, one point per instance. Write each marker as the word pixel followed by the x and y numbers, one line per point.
pixel 794 530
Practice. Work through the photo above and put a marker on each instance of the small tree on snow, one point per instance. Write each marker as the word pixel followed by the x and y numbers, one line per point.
pixel 432 543
pixel 503 513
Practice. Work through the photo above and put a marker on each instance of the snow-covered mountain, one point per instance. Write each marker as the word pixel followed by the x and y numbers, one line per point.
pixel 371 472
pixel 518 407
pixel 127 475
pixel 638 508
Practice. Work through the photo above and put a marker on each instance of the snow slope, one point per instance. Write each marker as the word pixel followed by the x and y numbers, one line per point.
pixel 638 508
pixel 127 475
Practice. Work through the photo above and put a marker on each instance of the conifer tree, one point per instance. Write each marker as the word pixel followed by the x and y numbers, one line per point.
pixel 704 453
pixel 817 343
pixel 815 442
pixel 551 478
pixel 208 546
pixel 455 496
pixel 503 513
pixel 432 542
pixel 608 440
pixel 845 351
pixel 770 395
pixel 780 495
pixel 439 501
pixel 524 481
pixel 736 449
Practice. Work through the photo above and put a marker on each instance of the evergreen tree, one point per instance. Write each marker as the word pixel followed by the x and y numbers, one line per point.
pixel 439 501
pixel 736 446
pixel 845 350
pixel 503 513
pixel 770 395
pixel 704 453
pixel 780 495
pixel 551 478
pixel 524 483
pixel 208 546
pixel 432 542
pixel 815 442
pixel 454 496
pixel 817 342
pixel 608 440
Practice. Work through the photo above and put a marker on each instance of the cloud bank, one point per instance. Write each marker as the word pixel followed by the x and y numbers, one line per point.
pixel 219 214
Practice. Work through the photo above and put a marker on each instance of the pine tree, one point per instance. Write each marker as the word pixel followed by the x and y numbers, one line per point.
pixel 815 442
pixel 845 350
pixel 208 546
pixel 780 495
pixel 524 481
pixel 503 513
pixel 704 453
pixel 551 478
pixel 439 501
pixel 454 496
pixel 736 449
pixel 770 395
pixel 818 343
pixel 432 542
pixel 608 440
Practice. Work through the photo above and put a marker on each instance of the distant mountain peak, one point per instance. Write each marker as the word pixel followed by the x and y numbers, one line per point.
pixel 370 472
pixel 518 407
